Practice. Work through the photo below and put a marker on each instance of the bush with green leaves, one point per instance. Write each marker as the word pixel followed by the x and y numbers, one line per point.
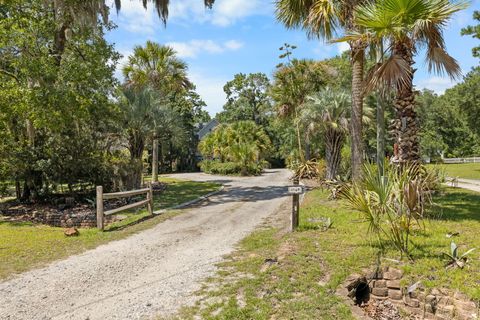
pixel 395 203
pixel 237 148
pixel 231 168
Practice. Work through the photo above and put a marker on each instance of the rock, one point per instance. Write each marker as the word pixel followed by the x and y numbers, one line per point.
pixel 466 315
pixel 69 223
pixel 465 305
pixel 395 294
pixel 393 284
pixel 71 232
pixel 380 284
pixel 414 303
pixel 380 292
pixel 431 299
pixel 393 274
pixel 445 311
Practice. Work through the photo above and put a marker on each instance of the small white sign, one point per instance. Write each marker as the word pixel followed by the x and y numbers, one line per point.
pixel 295 190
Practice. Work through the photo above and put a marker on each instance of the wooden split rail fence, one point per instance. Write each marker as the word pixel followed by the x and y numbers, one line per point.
pixel 148 202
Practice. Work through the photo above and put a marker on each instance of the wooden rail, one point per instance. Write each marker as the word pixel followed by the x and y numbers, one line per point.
pixel 461 160
pixel 115 195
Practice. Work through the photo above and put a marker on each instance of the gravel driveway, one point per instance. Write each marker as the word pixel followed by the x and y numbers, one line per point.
pixel 151 273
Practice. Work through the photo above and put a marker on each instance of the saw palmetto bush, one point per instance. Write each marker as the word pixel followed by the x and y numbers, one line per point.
pixel 393 204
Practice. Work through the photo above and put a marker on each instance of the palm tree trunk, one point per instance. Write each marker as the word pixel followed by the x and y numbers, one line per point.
pixel 136 147
pixel 380 133
pixel 155 161
pixel 358 59
pixel 334 141
pixel 405 126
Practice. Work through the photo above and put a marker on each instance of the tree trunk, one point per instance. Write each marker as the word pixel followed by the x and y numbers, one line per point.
pixel 405 126
pixel 380 133
pixel 334 141
pixel 155 161
pixel 358 58
pixel 18 189
pixel 136 147
pixel 308 150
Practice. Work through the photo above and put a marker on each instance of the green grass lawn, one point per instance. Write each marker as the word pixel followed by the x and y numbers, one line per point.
pixel 311 264
pixel 461 170
pixel 25 245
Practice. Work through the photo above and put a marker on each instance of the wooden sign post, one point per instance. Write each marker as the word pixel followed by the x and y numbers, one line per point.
pixel 296 190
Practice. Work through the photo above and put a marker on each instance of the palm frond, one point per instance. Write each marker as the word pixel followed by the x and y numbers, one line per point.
pixel 394 71
pixel 440 62
pixel 321 19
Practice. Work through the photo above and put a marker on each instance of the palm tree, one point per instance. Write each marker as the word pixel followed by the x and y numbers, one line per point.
pixel 323 19
pixel 157 66
pixel 405 26
pixel 292 85
pixel 242 142
pixel 327 112
pixel 138 107
pixel 166 129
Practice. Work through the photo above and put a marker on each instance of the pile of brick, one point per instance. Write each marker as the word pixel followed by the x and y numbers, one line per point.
pixel 418 302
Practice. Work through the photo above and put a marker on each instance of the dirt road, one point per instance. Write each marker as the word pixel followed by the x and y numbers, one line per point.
pixel 154 272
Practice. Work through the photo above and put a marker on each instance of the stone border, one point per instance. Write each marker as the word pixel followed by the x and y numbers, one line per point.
pixel 419 303
pixel 191 202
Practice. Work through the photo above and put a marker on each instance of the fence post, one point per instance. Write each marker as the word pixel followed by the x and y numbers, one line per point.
pixel 295 207
pixel 100 215
pixel 150 199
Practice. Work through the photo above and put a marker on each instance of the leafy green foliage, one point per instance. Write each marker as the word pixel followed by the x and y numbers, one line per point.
pixel 53 103
pixel 393 203
pixel 231 168
pixel 474 31
pixel 247 99
pixel 449 121
pixel 326 113
pixel 242 142
pixel 456 259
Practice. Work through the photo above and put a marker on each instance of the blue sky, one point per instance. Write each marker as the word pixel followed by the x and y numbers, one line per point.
pixel 243 36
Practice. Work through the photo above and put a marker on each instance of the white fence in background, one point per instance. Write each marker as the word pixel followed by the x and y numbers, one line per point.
pixel 461 160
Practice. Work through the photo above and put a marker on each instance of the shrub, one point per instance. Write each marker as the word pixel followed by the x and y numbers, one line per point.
pixel 231 168
pixel 394 203
pixel 310 169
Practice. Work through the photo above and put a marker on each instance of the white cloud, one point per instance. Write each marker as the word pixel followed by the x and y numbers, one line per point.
pixel 224 12
pixel 342 47
pixel 135 19
pixel 193 48
pixel 436 84
pixel 211 91
pixel 227 12
pixel 233 44
pixel 122 62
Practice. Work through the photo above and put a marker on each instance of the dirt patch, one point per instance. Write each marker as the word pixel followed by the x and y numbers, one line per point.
pixel 382 310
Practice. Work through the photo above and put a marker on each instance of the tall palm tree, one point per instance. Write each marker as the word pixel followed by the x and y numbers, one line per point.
pixel 157 66
pixel 138 107
pixel 327 112
pixel 405 26
pixel 293 83
pixel 323 19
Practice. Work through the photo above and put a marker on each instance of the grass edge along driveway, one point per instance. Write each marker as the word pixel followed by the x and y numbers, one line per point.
pixel 24 246
pixel 278 275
